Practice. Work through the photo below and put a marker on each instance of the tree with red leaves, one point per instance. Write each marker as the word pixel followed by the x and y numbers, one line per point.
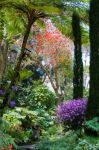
pixel 54 48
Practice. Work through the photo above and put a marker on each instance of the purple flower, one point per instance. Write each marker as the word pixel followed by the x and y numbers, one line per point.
pixel 72 112
pixel 2 92
pixel 12 103
pixel 14 88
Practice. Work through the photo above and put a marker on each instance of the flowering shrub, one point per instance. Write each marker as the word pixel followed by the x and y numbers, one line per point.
pixel 2 92
pixel 12 103
pixel 72 113
pixel 14 88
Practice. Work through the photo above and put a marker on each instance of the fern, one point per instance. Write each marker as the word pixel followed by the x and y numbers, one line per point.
pixel 93 124
pixel 85 145
pixel 6 140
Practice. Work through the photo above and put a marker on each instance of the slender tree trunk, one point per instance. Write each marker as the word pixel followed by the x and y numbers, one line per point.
pixel 1 66
pixel 56 78
pixel 93 102
pixel 78 64
pixel 17 66
pixel 48 75
pixel 54 86
pixel 5 56
pixel 3 47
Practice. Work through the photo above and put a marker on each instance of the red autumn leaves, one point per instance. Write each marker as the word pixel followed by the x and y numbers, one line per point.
pixel 52 45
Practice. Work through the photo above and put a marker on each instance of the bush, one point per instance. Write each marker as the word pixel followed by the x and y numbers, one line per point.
pixel 36 96
pixel 20 123
pixel 72 113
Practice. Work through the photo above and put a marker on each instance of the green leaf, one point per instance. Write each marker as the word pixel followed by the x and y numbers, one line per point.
pixel 25 74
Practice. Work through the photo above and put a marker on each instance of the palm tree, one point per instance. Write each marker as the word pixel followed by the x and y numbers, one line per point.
pixel 93 102
pixel 28 12
pixel 32 15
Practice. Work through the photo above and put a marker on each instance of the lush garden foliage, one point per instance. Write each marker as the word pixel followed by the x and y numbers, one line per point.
pixel 44 100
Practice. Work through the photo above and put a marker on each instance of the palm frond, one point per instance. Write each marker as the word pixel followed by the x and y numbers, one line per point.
pixel 64 24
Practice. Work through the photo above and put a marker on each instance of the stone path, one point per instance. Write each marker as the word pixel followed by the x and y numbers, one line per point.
pixel 28 147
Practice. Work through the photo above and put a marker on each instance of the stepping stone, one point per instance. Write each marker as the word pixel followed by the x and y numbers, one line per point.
pixel 28 147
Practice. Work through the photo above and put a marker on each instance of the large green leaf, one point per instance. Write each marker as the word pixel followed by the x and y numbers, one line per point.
pixel 25 74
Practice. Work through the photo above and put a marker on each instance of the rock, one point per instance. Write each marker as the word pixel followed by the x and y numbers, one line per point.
pixel 28 147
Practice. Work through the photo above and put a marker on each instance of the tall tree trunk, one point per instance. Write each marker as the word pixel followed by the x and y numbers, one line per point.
pixel 1 66
pixel 17 66
pixel 4 49
pixel 93 102
pixel 78 64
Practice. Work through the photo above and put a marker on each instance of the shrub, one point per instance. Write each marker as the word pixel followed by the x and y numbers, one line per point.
pixel 12 124
pixel 2 92
pixel 20 121
pixel 72 113
pixel 36 96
